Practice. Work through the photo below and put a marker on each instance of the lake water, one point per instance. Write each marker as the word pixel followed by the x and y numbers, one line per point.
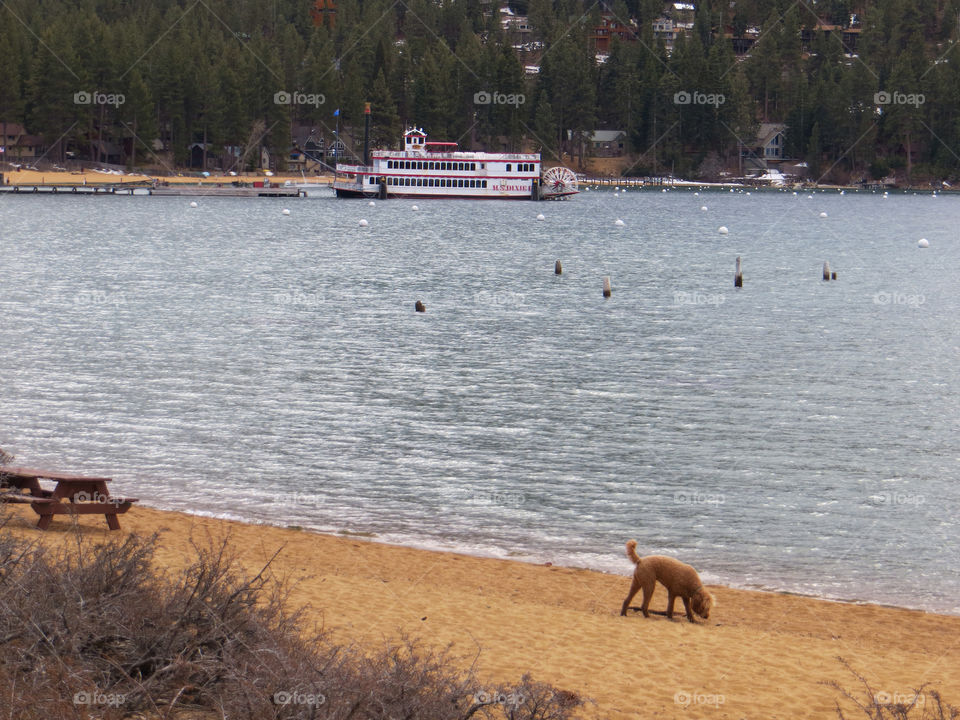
pixel 795 434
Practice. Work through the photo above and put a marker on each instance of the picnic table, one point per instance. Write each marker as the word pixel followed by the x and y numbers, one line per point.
pixel 79 494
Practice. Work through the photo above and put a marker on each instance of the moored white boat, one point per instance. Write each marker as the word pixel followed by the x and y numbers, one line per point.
pixel 438 170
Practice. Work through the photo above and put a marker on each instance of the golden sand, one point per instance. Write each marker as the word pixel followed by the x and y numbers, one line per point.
pixel 91 177
pixel 760 655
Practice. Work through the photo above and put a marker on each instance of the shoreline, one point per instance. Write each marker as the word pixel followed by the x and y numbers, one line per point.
pixel 532 559
pixel 761 654
pixel 76 178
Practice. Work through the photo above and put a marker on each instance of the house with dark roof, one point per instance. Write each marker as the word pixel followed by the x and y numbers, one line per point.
pixel 18 145
pixel 607 143
pixel 768 147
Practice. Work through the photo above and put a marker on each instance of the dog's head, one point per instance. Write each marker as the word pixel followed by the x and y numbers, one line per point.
pixel 702 603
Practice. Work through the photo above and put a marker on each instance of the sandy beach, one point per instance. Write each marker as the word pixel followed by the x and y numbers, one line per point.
pixel 92 177
pixel 760 655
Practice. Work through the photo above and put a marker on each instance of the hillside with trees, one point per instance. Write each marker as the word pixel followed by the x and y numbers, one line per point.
pixel 150 81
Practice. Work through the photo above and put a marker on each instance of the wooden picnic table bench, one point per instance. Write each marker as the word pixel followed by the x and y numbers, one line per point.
pixel 79 494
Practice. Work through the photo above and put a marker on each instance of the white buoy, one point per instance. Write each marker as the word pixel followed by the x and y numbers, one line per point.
pixel 363 223
pixel 371 203
pixel 541 217
pixel 823 214
pixel 703 207
pixel 617 188
pixel 809 197
pixel 286 211
pixel 619 223
pixel 748 193
pixel 664 190
pixel 193 204
pixel 723 230
pixel 924 243
pixel 414 208
pixel 696 194
pixel 843 192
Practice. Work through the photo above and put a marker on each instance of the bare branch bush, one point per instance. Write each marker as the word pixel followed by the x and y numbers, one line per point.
pixel 97 631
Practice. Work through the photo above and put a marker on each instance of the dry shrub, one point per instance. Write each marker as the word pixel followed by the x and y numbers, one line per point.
pixel 877 704
pixel 97 632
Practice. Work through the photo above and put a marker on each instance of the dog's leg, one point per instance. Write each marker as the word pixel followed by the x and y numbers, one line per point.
pixel 671 599
pixel 648 588
pixel 686 604
pixel 634 587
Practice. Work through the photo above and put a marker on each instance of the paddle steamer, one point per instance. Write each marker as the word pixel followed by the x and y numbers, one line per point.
pixel 438 170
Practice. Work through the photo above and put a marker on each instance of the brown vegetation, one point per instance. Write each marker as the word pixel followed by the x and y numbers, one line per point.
pixel 97 631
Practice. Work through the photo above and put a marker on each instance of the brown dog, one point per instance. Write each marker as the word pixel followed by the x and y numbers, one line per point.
pixel 679 578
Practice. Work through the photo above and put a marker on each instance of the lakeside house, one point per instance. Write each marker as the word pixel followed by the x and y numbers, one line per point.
pixel 767 148
pixel 608 143
pixel 19 146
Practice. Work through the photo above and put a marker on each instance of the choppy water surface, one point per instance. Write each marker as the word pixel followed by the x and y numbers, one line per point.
pixel 227 359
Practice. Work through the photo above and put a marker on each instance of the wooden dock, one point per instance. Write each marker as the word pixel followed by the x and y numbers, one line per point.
pixel 149 189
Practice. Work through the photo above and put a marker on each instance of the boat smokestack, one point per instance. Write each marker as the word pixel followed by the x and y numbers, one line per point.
pixel 366 134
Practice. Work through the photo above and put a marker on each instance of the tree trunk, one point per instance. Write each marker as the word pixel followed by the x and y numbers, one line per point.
pixel 133 146
pixel 100 148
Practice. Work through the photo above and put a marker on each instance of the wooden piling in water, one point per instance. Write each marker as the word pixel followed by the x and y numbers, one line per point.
pixel 557 268
pixel 738 277
pixel 826 270
pixel 420 307
pixel 607 292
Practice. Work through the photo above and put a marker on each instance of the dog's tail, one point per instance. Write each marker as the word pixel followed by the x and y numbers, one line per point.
pixel 632 551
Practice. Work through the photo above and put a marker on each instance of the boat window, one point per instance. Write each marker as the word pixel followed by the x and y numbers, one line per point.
pixel 508 167
pixel 473 166
pixel 484 183
pixel 483 165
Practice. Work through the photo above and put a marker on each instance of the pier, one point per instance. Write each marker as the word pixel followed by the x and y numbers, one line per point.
pixel 149 189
